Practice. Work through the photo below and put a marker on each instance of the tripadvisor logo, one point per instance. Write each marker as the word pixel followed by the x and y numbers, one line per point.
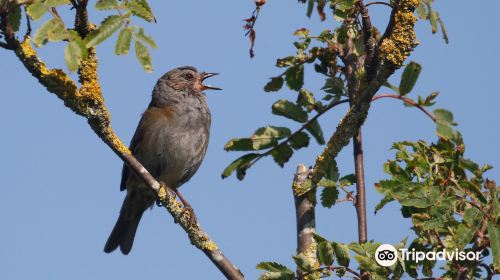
pixel 387 255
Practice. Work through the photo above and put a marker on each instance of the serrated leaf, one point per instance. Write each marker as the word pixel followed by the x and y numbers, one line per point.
pixel 345 4
pixel 289 110
pixel 409 78
pixel 36 10
pixel 139 10
pixel 123 42
pixel 303 262
pixel 272 266
pixel 315 129
pixel 325 253
pixel 294 77
pixel 56 3
pixel 300 140
pixel 108 26
pixel 274 84
pixel 14 18
pixel 142 54
pixel 74 52
pixel 329 197
pixel 145 39
pixel 240 165
pixel 277 276
pixel 282 154
pixel 106 4
pixel 342 253
pixel 42 33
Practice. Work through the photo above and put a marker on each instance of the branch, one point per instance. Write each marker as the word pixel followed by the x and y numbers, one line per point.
pixel 406 100
pixel 306 218
pixel 89 103
pixel 396 45
pixel 368 39
pixel 378 3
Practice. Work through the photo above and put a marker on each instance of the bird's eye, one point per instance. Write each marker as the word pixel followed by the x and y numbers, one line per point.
pixel 188 76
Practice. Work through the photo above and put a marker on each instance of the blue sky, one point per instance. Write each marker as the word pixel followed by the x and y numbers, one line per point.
pixel 60 184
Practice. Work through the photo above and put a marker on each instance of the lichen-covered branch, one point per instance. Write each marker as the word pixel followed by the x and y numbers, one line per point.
pixel 87 101
pixel 397 43
pixel 306 219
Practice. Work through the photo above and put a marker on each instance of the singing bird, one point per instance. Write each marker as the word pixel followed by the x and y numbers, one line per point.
pixel 170 142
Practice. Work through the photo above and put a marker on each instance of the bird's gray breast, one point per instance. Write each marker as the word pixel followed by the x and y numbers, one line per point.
pixel 184 143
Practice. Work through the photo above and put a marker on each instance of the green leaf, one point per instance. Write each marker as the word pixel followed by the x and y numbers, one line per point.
pixel 42 33
pixel 347 180
pixel 106 4
pixel 36 10
pixel 409 78
pixel 306 100
pixel 123 43
pixel 445 131
pixel 268 136
pixel 300 140
pixel 289 110
pixel 108 26
pixel 142 54
pixel 145 39
pixel 240 165
pixel 140 9
pixel 315 129
pixel 294 77
pixel 303 262
pixel 422 11
pixel 332 171
pixel 239 144
pixel 444 117
pixel 366 263
pixel 329 197
pixel 325 253
pixel 277 276
pixel 74 52
pixel 494 234
pixel 272 266
pixel 58 33
pixel 334 86
pixel 14 18
pixel 310 7
pixel 275 84
pixel 282 154
pixel 56 3
pixel 345 4
pixel 342 253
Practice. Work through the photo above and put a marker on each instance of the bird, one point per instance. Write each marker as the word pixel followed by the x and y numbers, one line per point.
pixel 170 141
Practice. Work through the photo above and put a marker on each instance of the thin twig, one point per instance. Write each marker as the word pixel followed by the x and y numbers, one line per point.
pixel 378 3
pixel 406 100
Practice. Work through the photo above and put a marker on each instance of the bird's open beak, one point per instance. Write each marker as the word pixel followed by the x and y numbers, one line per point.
pixel 206 76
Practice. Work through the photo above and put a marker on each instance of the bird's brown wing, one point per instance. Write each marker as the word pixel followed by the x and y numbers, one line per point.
pixel 133 144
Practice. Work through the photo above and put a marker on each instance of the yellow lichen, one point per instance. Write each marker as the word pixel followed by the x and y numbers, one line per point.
pixel 402 40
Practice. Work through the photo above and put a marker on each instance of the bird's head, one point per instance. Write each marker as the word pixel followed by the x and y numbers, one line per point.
pixel 188 79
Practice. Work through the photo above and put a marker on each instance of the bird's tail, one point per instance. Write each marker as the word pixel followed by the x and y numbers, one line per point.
pixel 124 231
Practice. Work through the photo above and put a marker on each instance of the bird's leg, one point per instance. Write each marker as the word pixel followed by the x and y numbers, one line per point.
pixel 187 207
